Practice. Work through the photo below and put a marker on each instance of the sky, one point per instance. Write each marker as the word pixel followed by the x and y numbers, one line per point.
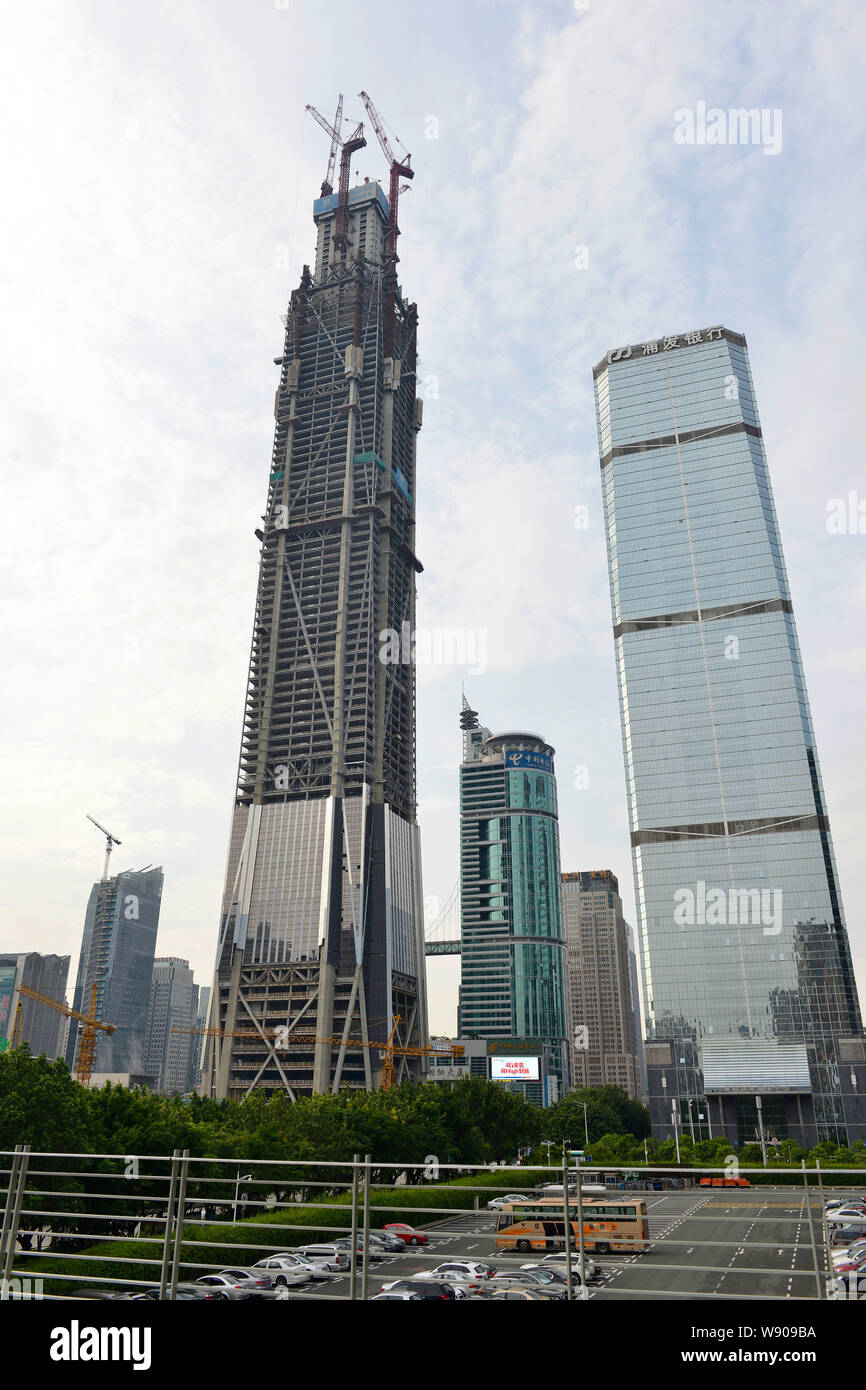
pixel 160 172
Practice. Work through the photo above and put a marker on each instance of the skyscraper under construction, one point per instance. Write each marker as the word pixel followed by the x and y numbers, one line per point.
pixel 321 949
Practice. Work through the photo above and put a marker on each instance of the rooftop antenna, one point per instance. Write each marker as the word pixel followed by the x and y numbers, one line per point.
pixel 110 842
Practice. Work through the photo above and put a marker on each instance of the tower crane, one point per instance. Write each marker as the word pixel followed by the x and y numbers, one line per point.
pixel 390 1049
pixel 333 131
pixel 398 170
pixel 110 842
pixel 87 1042
pixel 348 147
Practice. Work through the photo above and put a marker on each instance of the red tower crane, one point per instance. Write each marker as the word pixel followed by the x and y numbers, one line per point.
pixel 348 147
pixel 398 170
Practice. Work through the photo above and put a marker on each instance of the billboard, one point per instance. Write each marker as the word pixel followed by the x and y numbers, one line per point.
pixel 754 1066
pixel 520 758
pixel 514 1068
pixel 516 1047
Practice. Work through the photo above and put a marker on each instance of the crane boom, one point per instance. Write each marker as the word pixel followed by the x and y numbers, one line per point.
pixel 110 842
pixel 336 141
pixel 398 169
pixel 87 1041
pixel 389 1048
pixel 64 1008
pixel 348 147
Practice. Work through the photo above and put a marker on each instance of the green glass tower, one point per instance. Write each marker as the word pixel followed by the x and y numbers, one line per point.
pixel 513 945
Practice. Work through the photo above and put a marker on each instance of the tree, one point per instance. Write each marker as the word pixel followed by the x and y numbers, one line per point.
pixel 41 1105
pixel 609 1110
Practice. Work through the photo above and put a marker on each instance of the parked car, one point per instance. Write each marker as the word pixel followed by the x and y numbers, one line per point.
pixel 845 1235
pixel 184 1293
pixel 287 1269
pixel 399 1296
pixel 855 1264
pixel 393 1244
pixel 236 1285
pixel 472 1272
pixel 524 1279
pixel 841 1216
pixel 407 1234
pixel 496 1202
pixel 557 1262
pixel 458 1282
pixel 849 1252
pixel 330 1256
pixel 513 1295
pixel 427 1288
pixel 375 1250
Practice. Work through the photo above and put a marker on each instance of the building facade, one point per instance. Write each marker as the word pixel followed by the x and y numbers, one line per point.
pixel 512 981
pixel 634 977
pixel 202 1015
pixel 601 1017
pixel 42 1027
pixel 172 1056
pixel 321 948
pixel 735 877
pixel 116 959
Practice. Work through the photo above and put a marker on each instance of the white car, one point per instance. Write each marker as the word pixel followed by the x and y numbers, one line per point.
pixel 842 1216
pixel 557 1262
pixel 473 1273
pixel 331 1258
pixel 286 1269
pixel 498 1202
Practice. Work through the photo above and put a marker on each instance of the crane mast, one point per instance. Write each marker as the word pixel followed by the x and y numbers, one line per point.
pixel 398 169
pixel 348 147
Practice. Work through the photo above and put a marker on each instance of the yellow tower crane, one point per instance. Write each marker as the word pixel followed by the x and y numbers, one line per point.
pixel 390 1049
pixel 87 1042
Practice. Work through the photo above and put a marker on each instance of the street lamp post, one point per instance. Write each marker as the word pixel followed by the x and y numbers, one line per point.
pixel 247 1177
pixel 585 1120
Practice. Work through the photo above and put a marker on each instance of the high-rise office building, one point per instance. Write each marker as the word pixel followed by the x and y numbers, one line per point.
pixel 171 1055
pixel 117 952
pixel 321 934
pixel 601 1020
pixel 202 1014
pixel 42 1027
pixel 735 877
pixel 634 977
pixel 512 980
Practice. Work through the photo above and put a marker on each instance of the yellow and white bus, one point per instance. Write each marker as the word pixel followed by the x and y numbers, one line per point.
pixel 617 1222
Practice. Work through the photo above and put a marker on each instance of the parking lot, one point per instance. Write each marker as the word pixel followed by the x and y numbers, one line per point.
pixel 735 1243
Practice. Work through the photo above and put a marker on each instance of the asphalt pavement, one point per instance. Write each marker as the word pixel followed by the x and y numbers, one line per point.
pixel 750 1242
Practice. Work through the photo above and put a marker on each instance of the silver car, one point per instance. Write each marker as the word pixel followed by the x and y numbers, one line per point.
pixel 330 1257
pixel 236 1285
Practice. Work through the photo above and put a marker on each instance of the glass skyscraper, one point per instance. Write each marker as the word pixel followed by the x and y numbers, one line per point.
pixel 745 958
pixel 321 941
pixel 513 942
pixel 117 952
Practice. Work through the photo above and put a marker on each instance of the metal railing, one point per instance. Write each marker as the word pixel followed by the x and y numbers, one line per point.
pixel 172 1219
